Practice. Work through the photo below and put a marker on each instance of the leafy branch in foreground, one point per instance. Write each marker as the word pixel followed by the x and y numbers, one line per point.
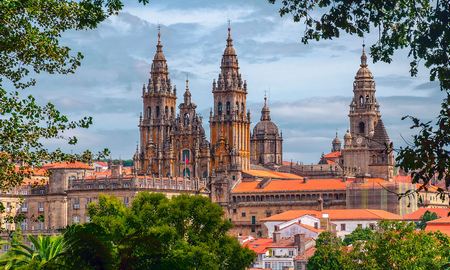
pixel 30 32
pixel 421 27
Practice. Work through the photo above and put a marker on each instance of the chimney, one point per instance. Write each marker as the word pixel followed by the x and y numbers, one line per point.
pixel 276 237
pixel 116 170
pixel 299 242
pixel 325 222
pixel 305 179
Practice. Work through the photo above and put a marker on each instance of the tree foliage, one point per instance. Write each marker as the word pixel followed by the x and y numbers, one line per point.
pixel 359 234
pixel 30 33
pixel 185 232
pixel 427 216
pixel 44 254
pixel 394 245
pixel 420 26
pixel 329 255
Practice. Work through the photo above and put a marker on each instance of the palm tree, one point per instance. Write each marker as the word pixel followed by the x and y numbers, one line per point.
pixel 42 254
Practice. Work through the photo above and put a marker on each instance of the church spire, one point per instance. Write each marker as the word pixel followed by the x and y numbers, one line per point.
pixel 159 68
pixel 265 112
pixel 187 93
pixel 363 57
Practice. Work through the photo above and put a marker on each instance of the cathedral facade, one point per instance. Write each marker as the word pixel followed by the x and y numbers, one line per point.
pixel 171 144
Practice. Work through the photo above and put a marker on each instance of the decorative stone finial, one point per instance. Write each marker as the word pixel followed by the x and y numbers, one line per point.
pixel 363 56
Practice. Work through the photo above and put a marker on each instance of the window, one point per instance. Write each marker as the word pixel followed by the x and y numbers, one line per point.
pixel 88 201
pixel 126 200
pixel 237 106
pixel 101 186
pixel 186 156
pixel 186 119
pixel 40 206
pixel 253 228
pixel 149 112
pixel 242 107
pixel 243 214
pixel 157 111
pixel 361 100
pixel 316 225
pixel 291 253
pixel 361 127
pixel 166 111
pixel 234 210
pixel 372 226
pixel 24 225
pixel 76 219
pixel 253 220
pixel 40 225
pixel 24 207
pixel 343 227
pixel 228 108
pixel 88 219
pixel 359 226
pixel 219 108
pixel 76 203
pixel 186 172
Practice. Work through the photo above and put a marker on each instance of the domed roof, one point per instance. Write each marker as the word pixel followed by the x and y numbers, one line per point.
pixel 336 140
pixel 347 135
pixel 265 126
pixel 363 71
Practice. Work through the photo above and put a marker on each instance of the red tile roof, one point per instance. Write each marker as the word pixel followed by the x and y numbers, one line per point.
pixel 441 224
pixel 333 154
pixel 290 185
pixel 260 245
pixel 337 214
pixel 308 254
pixel 68 165
pixel 271 174
pixel 417 215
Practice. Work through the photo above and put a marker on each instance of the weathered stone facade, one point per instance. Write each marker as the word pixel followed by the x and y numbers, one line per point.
pixel 170 145
pixel 266 142
pixel 367 147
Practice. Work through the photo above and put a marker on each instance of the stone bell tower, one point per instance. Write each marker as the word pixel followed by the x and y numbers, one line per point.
pixel 366 145
pixel 159 104
pixel 230 125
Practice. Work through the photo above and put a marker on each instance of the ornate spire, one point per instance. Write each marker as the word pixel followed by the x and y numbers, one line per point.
pixel 159 66
pixel 265 112
pixel 187 93
pixel 363 56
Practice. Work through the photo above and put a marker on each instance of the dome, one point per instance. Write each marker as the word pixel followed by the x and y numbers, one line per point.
pixel 347 135
pixel 364 73
pixel 265 128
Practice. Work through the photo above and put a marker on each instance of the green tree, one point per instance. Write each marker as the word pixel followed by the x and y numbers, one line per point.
pixel 30 33
pixel 420 26
pixel 427 216
pixel 44 254
pixel 359 234
pixel 398 245
pixel 185 232
pixel 329 254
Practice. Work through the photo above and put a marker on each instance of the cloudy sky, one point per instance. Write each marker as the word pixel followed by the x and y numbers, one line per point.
pixel 309 86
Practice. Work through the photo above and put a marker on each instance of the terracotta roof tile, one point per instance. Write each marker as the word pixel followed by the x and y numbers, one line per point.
pixel 337 214
pixel 271 174
pixel 417 215
pixel 259 245
pixel 67 165
pixel 333 154
pixel 290 185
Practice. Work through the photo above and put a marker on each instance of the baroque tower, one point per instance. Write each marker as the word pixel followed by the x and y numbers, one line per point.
pixel 366 145
pixel 159 101
pixel 229 125
pixel 266 143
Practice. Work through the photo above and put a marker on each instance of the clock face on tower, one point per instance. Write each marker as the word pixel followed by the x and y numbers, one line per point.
pixel 359 140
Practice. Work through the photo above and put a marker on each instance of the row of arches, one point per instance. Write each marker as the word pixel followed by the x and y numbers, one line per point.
pixel 289 197
pixel 168 111
pixel 237 108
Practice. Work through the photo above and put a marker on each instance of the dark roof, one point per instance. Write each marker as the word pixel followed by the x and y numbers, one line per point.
pixel 380 137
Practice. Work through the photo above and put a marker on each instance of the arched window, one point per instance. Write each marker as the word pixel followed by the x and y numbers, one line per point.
pixel 237 106
pixel 362 127
pixel 242 107
pixel 149 112
pixel 166 111
pixel 172 112
pixel 219 108
pixel 228 108
pixel 361 100
pixel 367 99
pixel 157 111
pixel 186 119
